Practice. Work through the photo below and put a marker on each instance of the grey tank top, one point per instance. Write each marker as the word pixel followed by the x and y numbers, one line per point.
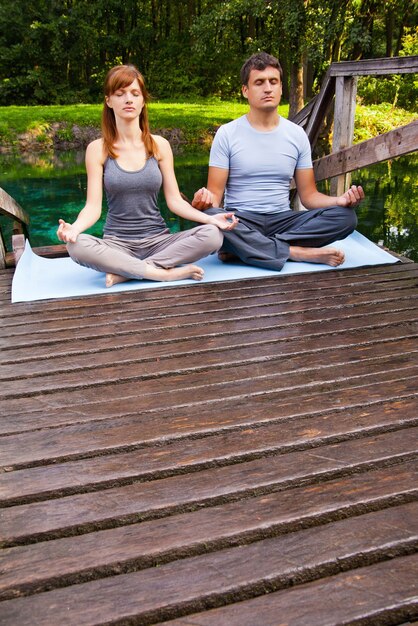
pixel 133 212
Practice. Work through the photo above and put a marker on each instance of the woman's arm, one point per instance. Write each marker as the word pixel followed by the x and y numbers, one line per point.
pixel 93 207
pixel 175 202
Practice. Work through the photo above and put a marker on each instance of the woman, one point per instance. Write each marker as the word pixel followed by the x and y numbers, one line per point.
pixel 132 164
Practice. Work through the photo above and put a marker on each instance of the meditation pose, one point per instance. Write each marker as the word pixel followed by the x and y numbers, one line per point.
pixel 251 165
pixel 132 164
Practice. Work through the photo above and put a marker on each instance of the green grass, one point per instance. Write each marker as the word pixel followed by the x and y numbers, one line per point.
pixel 193 119
pixel 196 121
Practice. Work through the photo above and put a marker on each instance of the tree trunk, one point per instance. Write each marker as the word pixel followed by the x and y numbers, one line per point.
pixel 296 89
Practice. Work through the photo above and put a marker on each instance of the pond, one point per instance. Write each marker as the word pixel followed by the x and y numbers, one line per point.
pixel 49 187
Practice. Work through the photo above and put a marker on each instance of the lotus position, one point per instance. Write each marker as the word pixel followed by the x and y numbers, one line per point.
pixel 132 164
pixel 252 162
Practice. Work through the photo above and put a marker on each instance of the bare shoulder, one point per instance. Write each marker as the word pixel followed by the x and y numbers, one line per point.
pixel 95 151
pixel 164 148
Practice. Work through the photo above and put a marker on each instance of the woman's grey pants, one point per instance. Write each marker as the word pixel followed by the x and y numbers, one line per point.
pixel 130 257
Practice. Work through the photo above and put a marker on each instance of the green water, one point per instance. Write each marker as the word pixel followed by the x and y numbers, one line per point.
pixel 49 188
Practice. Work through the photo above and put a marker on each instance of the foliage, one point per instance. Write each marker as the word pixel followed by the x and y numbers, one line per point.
pixel 400 90
pixel 57 51
pixel 374 120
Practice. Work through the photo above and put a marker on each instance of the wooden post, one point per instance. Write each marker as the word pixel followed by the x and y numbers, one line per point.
pixel 344 110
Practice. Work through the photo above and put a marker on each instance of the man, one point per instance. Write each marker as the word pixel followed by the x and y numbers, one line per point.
pixel 251 165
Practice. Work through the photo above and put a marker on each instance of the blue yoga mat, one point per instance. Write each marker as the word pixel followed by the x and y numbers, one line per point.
pixel 37 278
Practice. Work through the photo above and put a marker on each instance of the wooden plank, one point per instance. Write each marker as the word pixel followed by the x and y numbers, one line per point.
pixel 123 353
pixel 128 503
pixel 154 461
pixel 392 144
pixel 248 329
pixel 232 306
pixel 321 108
pixel 10 208
pixel 325 283
pixel 156 344
pixel 251 570
pixel 127 432
pixel 375 67
pixel 378 594
pixel 342 136
pixel 39 567
pixel 29 413
pixel 300 555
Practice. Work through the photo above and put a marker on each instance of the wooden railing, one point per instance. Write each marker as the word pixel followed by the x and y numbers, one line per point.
pixel 10 208
pixel 340 82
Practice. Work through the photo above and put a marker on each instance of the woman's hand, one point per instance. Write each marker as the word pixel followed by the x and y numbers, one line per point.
pixel 66 232
pixel 224 221
pixel 352 197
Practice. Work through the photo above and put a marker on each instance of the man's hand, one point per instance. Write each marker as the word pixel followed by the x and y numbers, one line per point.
pixel 66 232
pixel 202 199
pixel 224 221
pixel 352 197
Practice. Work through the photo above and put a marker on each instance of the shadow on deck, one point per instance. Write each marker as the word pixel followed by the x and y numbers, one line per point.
pixel 223 454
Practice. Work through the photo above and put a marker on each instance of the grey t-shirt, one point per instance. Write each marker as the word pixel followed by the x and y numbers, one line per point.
pixel 261 164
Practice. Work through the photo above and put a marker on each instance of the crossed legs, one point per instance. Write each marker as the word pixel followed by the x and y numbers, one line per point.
pixel 163 257
pixel 269 240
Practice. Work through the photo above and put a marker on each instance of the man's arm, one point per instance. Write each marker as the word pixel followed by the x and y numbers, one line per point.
pixel 213 194
pixel 311 198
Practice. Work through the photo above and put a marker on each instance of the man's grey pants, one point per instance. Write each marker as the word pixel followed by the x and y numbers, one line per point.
pixel 263 239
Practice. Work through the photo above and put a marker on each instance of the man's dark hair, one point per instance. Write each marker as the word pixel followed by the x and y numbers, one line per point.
pixel 259 61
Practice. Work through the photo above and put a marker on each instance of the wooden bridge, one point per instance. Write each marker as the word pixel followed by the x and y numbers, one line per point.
pixel 229 454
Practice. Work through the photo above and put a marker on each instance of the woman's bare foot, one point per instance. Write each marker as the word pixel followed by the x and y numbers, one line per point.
pixel 185 271
pixel 328 256
pixel 113 279
pixel 160 274
pixel 174 273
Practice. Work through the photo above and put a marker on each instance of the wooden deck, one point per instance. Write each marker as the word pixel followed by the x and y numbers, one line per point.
pixel 237 454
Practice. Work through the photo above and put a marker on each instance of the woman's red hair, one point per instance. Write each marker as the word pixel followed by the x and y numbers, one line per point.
pixel 119 77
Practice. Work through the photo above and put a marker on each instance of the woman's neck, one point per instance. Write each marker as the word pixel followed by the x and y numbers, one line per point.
pixel 128 132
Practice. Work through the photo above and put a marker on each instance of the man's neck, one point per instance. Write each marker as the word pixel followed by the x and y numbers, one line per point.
pixel 263 121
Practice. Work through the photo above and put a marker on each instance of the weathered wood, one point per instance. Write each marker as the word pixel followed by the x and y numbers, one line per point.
pixel 37 567
pixel 129 503
pixel 384 592
pixel 342 136
pixel 184 449
pixel 10 208
pixel 320 109
pixel 275 562
pixel 233 445
pixel 375 67
pixel 392 144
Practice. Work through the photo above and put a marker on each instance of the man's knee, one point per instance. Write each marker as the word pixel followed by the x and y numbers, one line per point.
pixel 353 221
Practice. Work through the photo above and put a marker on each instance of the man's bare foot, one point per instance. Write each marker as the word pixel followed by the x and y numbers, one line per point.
pixel 328 256
pixel 113 279
pixel 227 257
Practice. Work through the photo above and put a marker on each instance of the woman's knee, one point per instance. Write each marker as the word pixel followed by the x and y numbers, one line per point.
pixel 213 235
pixel 78 249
